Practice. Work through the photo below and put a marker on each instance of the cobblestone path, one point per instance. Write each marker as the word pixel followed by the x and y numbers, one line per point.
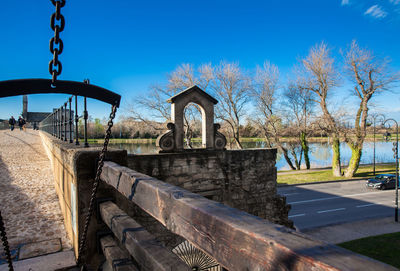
pixel 28 200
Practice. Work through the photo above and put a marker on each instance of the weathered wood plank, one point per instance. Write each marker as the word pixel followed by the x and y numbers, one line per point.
pixel 237 240
pixel 144 248
pixel 118 259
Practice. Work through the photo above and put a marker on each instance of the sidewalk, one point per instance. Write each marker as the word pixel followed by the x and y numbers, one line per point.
pixel 336 234
pixel 28 200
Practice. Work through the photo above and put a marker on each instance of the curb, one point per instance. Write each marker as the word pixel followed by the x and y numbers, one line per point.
pixel 334 181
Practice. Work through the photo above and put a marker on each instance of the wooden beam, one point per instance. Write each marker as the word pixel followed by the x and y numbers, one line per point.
pixel 237 240
pixel 117 258
pixel 143 247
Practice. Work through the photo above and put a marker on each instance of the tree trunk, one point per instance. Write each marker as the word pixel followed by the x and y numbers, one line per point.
pixel 237 138
pixel 356 152
pixel 336 169
pixel 238 144
pixel 296 161
pixel 304 146
pixel 285 154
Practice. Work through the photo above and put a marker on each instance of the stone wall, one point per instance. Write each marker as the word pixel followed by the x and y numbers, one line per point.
pixel 74 171
pixel 243 179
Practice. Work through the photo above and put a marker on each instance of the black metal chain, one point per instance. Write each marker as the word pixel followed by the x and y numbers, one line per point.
pixel 100 165
pixel 57 28
pixel 5 243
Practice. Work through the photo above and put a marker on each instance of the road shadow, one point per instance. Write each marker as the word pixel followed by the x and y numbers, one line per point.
pixel 345 202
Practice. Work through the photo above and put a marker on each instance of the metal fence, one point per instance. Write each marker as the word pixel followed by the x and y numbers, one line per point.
pixel 63 123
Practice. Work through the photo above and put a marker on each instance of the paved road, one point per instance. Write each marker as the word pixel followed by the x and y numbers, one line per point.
pixel 318 205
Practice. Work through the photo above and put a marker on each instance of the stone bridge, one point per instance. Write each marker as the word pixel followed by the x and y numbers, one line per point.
pixel 221 205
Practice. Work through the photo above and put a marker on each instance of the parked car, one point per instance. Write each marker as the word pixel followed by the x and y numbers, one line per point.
pixel 382 181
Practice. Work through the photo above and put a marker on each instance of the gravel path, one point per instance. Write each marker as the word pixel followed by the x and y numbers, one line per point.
pixel 28 200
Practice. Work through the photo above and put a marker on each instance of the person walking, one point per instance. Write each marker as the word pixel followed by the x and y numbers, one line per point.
pixel 21 123
pixel 12 122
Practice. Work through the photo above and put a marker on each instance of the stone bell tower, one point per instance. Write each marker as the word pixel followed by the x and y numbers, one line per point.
pixel 25 106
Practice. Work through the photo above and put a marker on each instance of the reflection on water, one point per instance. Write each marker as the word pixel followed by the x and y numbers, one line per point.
pixel 320 153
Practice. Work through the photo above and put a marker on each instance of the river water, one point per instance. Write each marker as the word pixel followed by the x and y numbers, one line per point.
pixel 320 153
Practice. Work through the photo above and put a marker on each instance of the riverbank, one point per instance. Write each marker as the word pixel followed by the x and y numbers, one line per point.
pixel 369 138
pixel 325 174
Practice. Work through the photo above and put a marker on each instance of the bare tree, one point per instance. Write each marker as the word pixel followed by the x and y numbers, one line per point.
pixel 264 92
pixel 232 89
pixel 370 76
pixel 320 77
pixel 299 107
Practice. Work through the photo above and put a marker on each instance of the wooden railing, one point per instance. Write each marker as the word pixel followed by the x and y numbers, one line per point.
pixel 235 239
pixel 144 248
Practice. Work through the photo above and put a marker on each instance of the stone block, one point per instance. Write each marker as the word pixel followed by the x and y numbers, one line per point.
pixel 39 248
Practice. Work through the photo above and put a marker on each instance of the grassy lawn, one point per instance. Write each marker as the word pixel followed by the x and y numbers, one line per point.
pixel 384 248
pixel 326 175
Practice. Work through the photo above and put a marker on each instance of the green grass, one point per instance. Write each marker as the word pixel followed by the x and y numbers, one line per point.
pixel 384 248
pixel 326 174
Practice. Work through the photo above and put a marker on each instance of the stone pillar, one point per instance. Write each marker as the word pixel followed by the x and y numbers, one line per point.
pixel 177 119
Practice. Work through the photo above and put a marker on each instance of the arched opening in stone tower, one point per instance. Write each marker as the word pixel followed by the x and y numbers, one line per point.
pixel 194 125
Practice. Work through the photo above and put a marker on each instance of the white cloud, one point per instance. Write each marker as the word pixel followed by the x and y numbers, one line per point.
pixel 377 12
pixel 394 2
pixel 346 2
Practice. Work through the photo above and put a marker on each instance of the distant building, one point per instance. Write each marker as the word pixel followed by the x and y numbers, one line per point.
pixel 32 116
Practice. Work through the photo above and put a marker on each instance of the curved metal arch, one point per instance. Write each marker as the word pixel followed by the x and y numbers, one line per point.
pixel 37 86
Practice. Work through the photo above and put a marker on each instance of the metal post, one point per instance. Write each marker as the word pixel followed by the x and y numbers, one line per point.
pixel 374 146
pixel 52 123
pixel 61 123
pixel 76 121
pixel 56 122
pixel 70 120
pixel 65 122
pixel 396 215
pixel 85 118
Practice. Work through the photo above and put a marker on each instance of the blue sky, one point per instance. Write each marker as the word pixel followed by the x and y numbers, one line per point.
pixel 126 46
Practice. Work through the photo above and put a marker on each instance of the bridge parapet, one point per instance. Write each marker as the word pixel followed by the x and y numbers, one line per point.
pixel 235 239
pixel 74 170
